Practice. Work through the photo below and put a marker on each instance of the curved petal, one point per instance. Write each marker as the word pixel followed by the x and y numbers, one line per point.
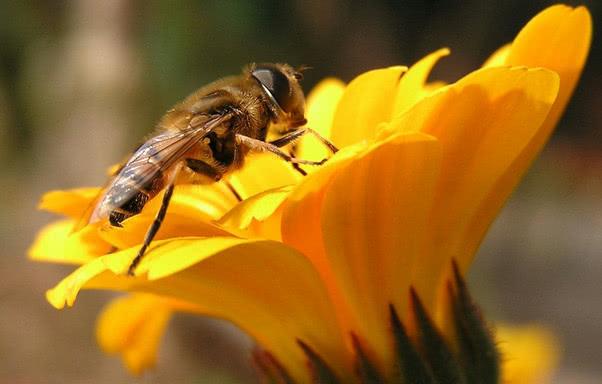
pixel 558 38
pixel 483 122
pixel 412 85
pixel 58 244
pixel 268 289
pixel 256 216
pixel 301 223
pixel 174 225
pixel 72 202
pixel 209 201
pixel 366 102
pixel 374 227
pixel 499 57
pixel 191 212
pixel 322 102
pixel 93 272
pixel 262 172
pixel 132 326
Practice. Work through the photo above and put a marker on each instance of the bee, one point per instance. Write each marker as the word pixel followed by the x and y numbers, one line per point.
pixel 207 136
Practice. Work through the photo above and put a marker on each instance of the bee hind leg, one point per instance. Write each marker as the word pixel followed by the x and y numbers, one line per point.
pixel 201 167
pixel 153 229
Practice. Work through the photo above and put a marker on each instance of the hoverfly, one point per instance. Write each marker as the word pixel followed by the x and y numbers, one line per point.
pixel 207 136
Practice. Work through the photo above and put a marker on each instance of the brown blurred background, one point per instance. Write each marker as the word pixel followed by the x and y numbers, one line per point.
pixel 82 81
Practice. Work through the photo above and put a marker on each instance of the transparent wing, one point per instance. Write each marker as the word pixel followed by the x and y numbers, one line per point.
pixel 150 161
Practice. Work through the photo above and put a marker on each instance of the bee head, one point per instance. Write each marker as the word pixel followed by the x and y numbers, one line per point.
pixel 280 83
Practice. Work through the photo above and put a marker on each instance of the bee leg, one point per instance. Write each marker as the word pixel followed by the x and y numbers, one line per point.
pixel 298 168
pixel 296 134
pixel 234 191
pixel 261 146
pixel 327 143
pixel 199 166
pixel 152 231
pixel 291 137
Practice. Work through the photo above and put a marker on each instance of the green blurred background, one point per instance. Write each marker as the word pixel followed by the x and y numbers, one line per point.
pixel 82 81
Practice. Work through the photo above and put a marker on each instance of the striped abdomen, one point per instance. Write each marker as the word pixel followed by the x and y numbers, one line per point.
pixel 128 194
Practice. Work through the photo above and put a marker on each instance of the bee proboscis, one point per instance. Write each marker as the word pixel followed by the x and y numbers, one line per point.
pixel 207 136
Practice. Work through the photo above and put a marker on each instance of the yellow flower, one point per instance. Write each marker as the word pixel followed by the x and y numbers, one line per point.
pixel 319 266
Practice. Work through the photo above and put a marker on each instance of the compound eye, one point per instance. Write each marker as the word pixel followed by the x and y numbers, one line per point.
pixel 276 84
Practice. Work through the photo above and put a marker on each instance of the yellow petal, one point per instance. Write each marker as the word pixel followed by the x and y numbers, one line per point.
pixel 72 203
pixel 248 218
pixel 483 123
pixel 207 201
pixel 191 212
pixel 268 289
pixel 499 57
pixel 412 85
pixel 56 243
pixel 433 86
pixel 65 292
pixel 322 102
pixel 374 221
pixel 211 200
pixel 529 354
pixel 366 102
pixel 262 172
pixel 301 226
pixel 174 225
pixel 132 326
pixel 558 38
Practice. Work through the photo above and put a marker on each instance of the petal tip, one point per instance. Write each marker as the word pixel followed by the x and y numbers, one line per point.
pixel 57 300
pixel 444 51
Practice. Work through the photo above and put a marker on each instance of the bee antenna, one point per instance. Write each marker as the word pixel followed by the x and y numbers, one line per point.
pixel 299 71
pixel 303 68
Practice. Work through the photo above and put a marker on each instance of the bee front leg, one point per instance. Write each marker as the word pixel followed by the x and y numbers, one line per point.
pixel 288 138
pixel 261 146
pixel 291 137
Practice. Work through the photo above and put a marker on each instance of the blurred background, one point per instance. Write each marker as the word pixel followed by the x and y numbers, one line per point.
pixel 82 81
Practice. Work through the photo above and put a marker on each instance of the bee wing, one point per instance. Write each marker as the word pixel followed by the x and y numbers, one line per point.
pixel 152 159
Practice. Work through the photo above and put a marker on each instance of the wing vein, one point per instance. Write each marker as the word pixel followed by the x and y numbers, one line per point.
pixel 152 159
